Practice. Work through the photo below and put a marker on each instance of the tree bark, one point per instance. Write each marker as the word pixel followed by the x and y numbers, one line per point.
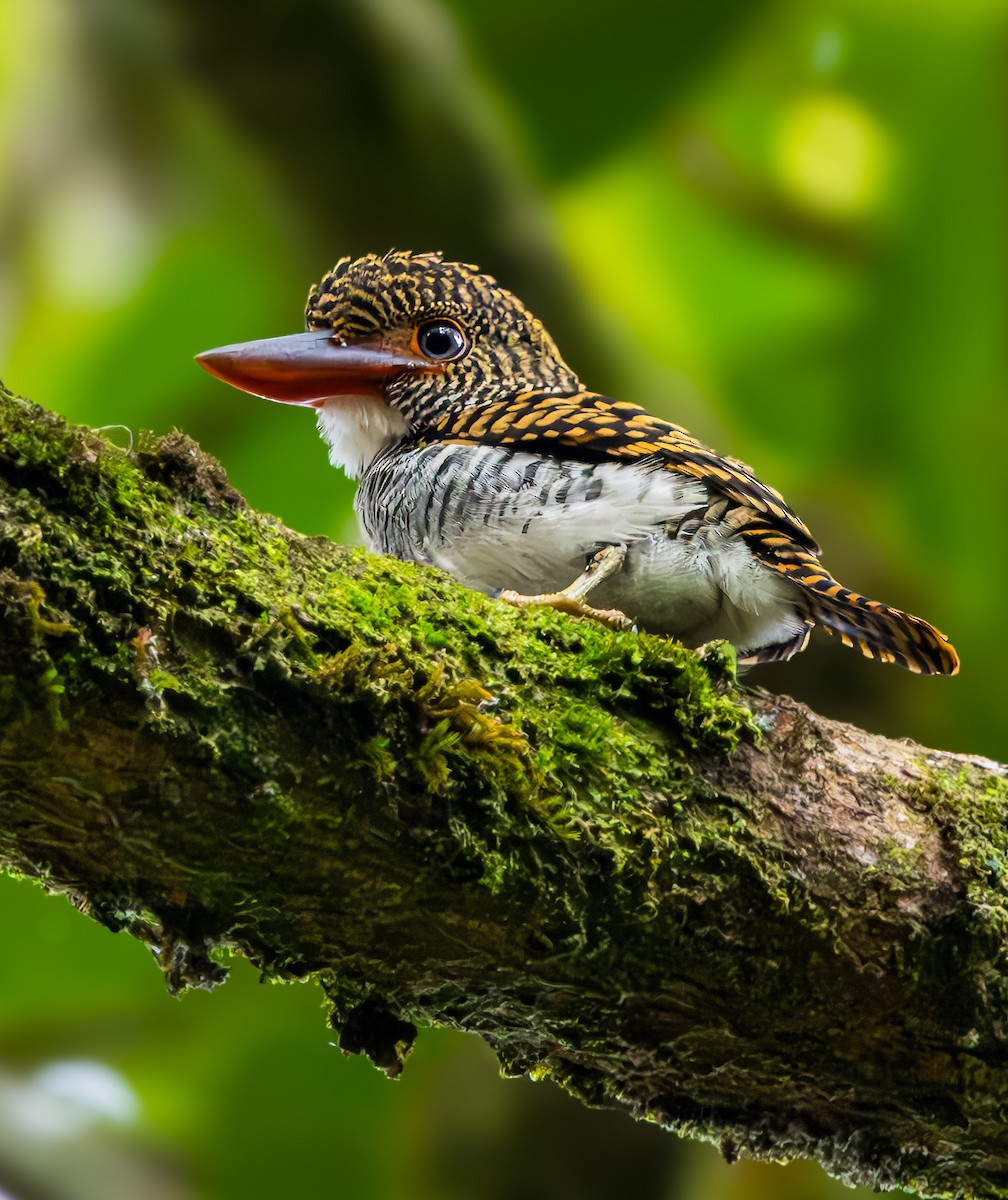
pixel 694 901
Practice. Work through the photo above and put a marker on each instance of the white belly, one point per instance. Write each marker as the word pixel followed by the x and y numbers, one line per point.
pixel 530 525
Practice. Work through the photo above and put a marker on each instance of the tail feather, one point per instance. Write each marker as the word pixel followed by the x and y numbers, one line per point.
pixel 878 631
pixel 885 633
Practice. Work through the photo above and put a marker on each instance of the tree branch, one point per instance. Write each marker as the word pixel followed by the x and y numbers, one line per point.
pixel 697 902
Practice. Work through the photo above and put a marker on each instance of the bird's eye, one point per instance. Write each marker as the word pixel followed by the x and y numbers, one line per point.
pixel 441 340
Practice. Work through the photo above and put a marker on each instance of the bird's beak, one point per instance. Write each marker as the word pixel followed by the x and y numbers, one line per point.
pixel 308 368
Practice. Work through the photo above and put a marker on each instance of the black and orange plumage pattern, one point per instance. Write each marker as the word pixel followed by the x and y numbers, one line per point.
pixel 493 462
pixel 586 424
pixel 593 426
pixel 877 630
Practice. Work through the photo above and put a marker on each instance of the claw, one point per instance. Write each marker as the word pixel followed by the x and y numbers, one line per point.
pixel 612 618
pixel 571 600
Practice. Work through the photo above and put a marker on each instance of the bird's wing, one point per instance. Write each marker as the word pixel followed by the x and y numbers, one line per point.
pixel 595 428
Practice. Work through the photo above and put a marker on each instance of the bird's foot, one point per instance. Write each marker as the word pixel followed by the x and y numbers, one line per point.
pixel 612 618
pixel 571 600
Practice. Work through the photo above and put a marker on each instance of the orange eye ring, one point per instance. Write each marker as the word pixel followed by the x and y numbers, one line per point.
pixel 440 339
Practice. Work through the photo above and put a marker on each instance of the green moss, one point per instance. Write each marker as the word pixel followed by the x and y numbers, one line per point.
pixel 975 818
pixel 377 751
pixel 273 743
pixel 898 860
pixel 54 692
pixel 164 681
pixel 521 746
pixel 34 598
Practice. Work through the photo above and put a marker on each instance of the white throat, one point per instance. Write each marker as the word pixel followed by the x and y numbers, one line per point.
pixel 356 428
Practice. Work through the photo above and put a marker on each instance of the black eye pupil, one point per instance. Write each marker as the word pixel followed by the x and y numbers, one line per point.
pixel 440 339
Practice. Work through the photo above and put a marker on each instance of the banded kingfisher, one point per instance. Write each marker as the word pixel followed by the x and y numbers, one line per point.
pixel 480 452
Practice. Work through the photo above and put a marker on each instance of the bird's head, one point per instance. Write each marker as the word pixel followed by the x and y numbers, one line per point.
pixel 394 345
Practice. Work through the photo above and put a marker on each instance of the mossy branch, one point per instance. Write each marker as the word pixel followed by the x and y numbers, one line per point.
pixel 702 904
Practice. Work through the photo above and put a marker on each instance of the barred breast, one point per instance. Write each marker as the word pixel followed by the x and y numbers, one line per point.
pixel 499 519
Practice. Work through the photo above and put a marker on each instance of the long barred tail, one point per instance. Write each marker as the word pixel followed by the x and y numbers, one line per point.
pixel 878 631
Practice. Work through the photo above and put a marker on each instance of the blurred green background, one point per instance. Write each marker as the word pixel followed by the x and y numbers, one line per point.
pixel 782 224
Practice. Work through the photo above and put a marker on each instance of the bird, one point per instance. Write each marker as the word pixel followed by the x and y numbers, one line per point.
pixel 480 452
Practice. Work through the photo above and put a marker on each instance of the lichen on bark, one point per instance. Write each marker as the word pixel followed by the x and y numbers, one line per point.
pixel 697 902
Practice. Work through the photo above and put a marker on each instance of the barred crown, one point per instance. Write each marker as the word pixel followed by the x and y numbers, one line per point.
pixel 377 295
